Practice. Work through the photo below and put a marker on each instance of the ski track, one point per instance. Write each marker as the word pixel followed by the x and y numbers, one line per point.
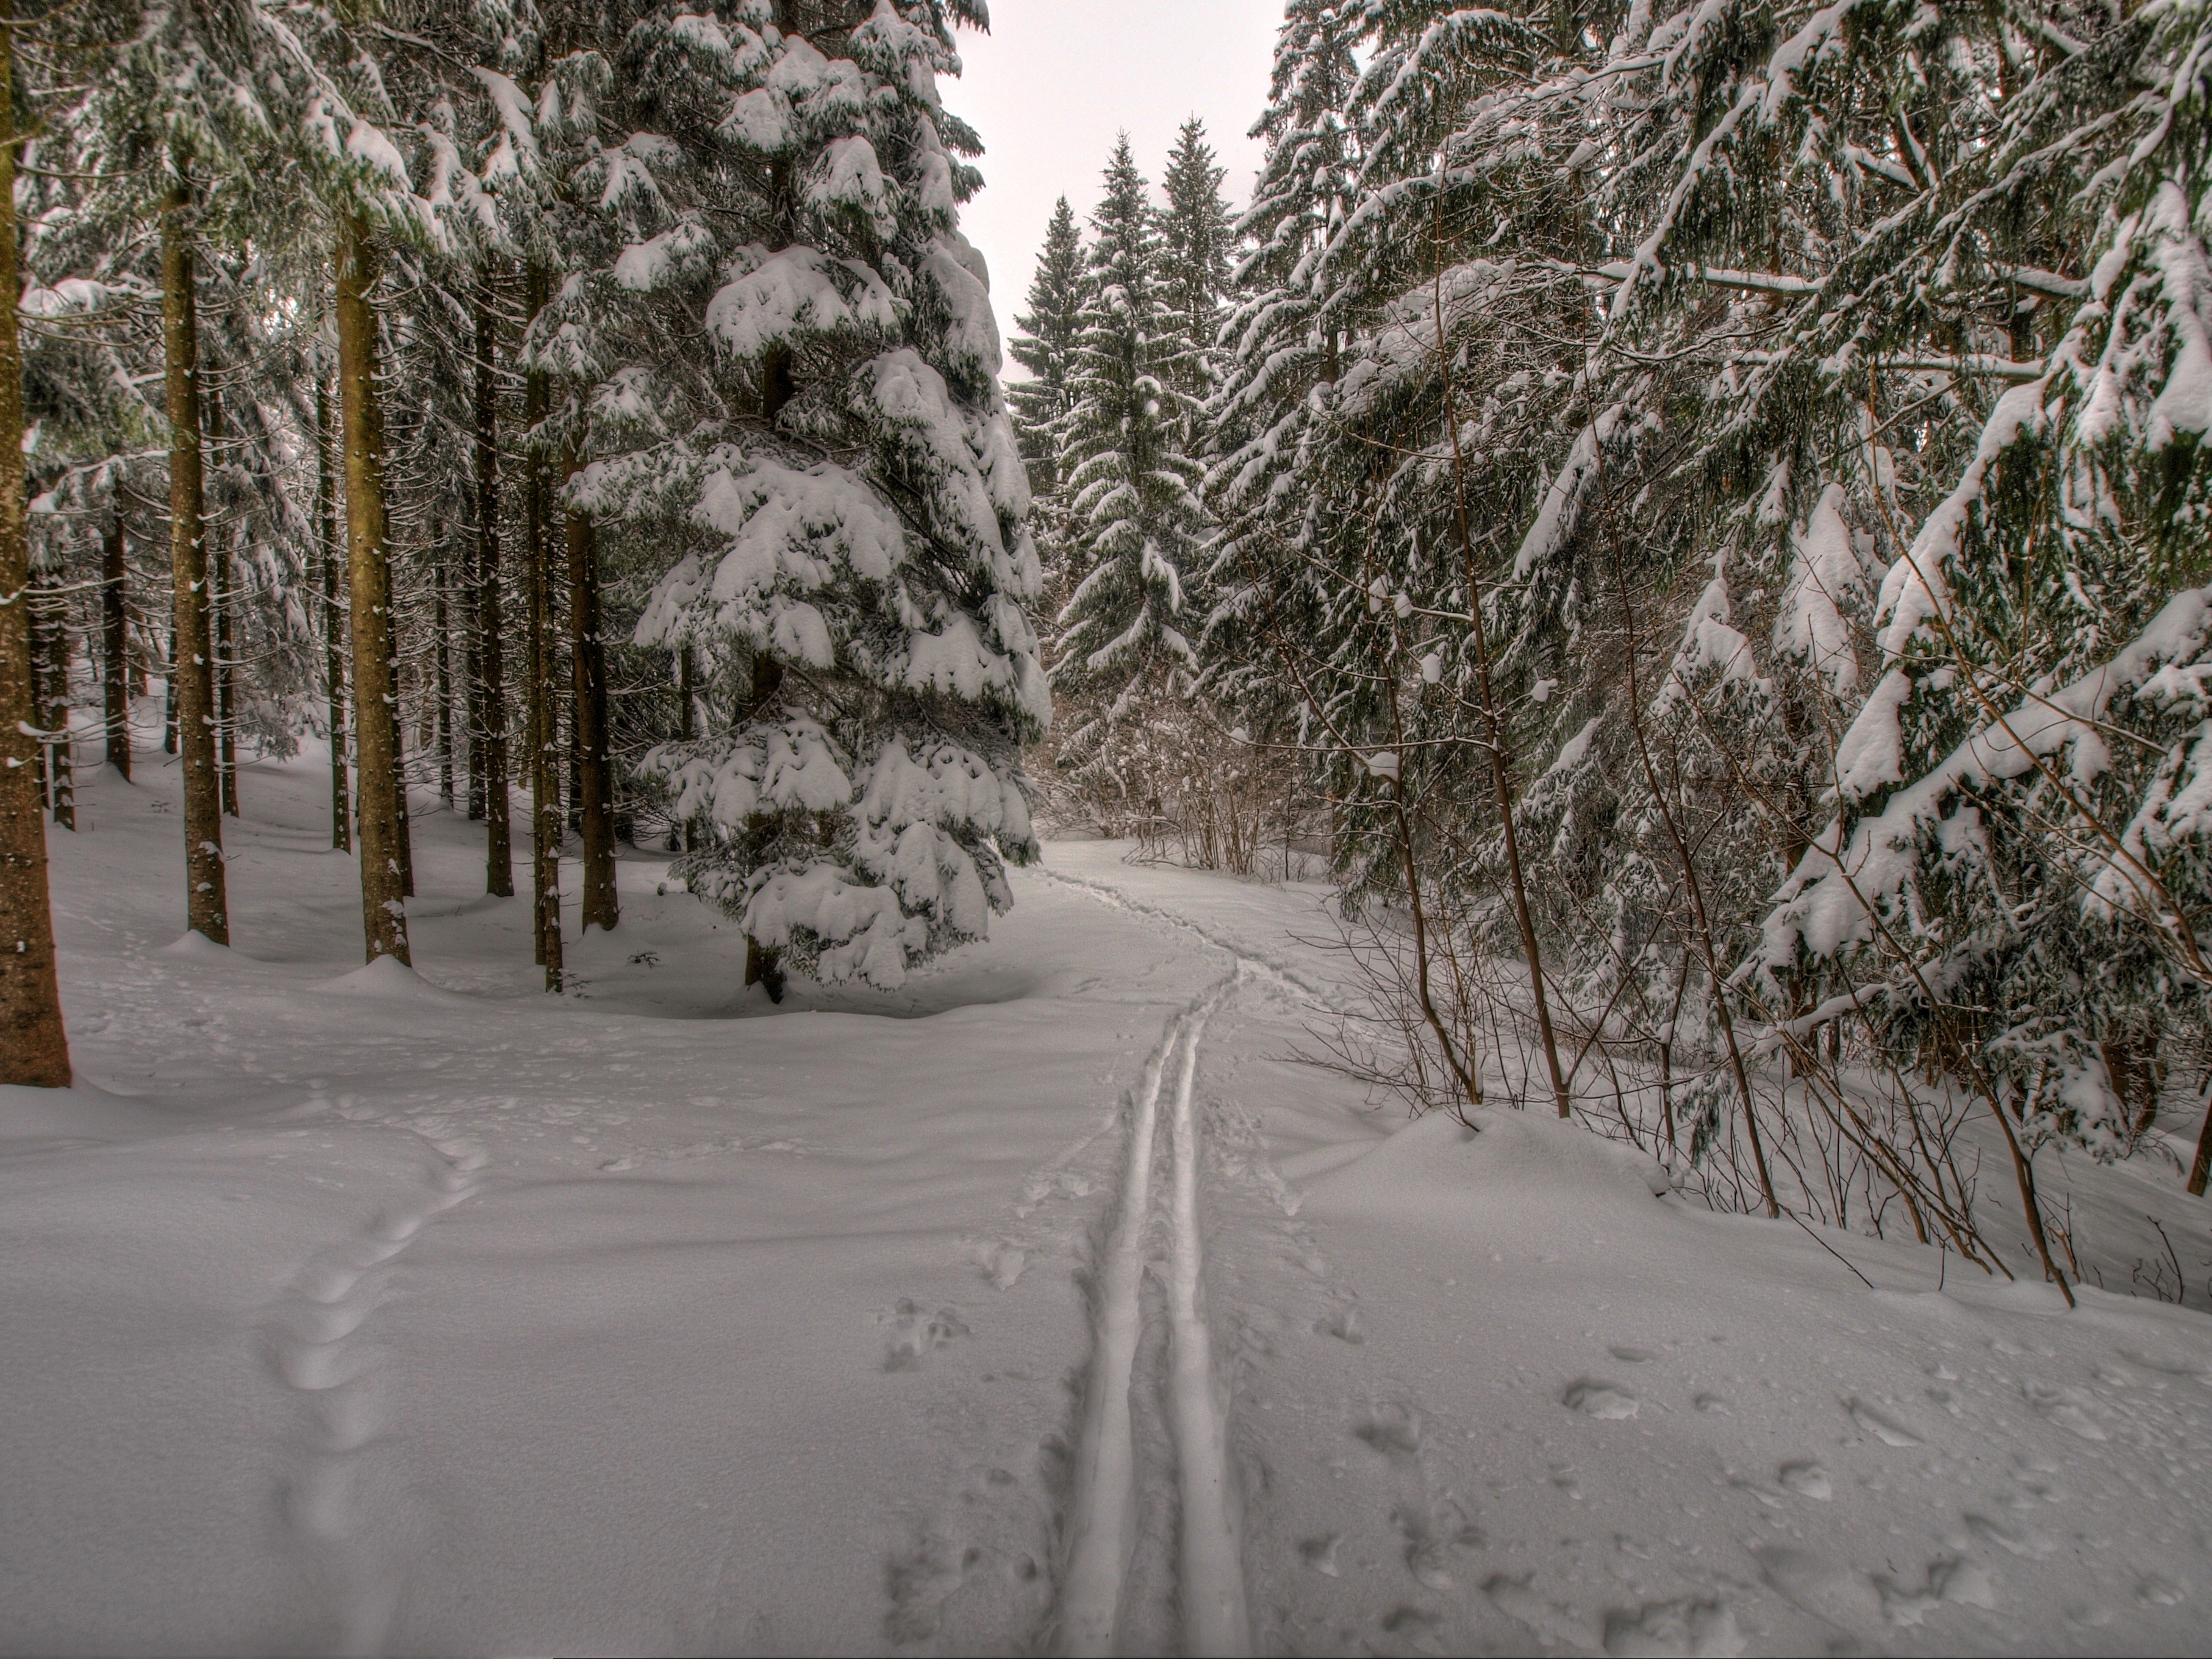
pixel 1104 1519
pixel 1115 899
pixel 340 1502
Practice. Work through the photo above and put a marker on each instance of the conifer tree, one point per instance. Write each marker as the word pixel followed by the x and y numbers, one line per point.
pixel 1197 238
pixel 847 475
pixel 1135 520
pixel 1050 332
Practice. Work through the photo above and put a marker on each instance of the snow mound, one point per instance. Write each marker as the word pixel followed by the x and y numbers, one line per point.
pixel 83 1111
pixel 192 943
pixel 388 979
pixel 1513 1162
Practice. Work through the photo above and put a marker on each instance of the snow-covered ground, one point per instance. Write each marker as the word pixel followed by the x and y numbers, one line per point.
pixel 1051 1304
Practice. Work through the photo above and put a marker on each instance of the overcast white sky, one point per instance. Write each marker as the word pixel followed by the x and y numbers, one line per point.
pixel 1054 81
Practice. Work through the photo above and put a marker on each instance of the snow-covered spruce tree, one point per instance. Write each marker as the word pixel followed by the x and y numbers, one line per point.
pixel 1050 330
pixel 1197 238
pixel 1271 511
pixel 2015 867
pixel 1135 521
pixel 859 496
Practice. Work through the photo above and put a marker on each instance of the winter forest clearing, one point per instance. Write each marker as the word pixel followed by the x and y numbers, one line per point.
pixel 1468 916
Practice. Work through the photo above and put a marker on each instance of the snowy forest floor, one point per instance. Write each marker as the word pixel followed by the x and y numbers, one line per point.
pixel 1051 1302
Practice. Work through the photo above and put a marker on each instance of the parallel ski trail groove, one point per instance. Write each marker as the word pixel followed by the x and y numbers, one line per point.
pixel 1103 1520
pixel 1103 1532
pixel 1214 1621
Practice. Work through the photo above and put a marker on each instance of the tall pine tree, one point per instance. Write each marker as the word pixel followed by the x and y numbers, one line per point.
pixel 1050 332
pixel 1136 519
pixel 1197 238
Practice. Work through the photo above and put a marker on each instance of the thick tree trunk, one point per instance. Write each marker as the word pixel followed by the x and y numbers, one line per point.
pixel 192 668
pixel 334 620
pixel 384 916
pixel 499 846
pixel 33 1046
pixel 115 646
pixel 545 733
pixel 594 770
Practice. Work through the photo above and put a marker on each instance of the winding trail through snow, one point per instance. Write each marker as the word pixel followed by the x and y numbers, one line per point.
pixel 344 1507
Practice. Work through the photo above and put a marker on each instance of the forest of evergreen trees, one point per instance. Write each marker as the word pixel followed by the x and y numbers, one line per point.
pixel 1702 513
pixel 1694 515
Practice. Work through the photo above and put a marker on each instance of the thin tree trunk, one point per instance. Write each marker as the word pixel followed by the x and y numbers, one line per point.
pixel 384 914
pixel 499 846
pixel 544 738
pixel 595 772
pixel 471 686
pixel 169 687
pixel 2201 1171
pixel 50 651
pixel 115 644
pixel 219 576
pixel 687 726
pixel 226 682
pixel 191 671
pixel 404 842
pixel 442 666
pixel 1699 918
pixel 334 619
pixel 761 967
pixel 1500 775
pixel 33 1045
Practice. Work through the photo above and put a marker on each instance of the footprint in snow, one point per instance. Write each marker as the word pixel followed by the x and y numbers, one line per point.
pixel 1884 1429
pixel 916 1334
pixel 1391 1429
pixel 1343 1324
pixel 1808 1480
pixel 1320 1554
pixel 1594 1398
pixel 1628 1356
pixel 1697 1628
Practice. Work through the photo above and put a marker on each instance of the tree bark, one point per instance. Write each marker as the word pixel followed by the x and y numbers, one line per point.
pixel 169 686
pixel 192 668
pixel 443 666
pixel 220 662
pixel 404 842
pixel 595 771
pixel 33 1045
pixel 499 846
pixel 50 650
pixel 545 736
pixel 762 966
pixel 384 916
pixel 115 644
pixel 687 727
pixel 334 620
pixel 2201 1169
pixel 226 682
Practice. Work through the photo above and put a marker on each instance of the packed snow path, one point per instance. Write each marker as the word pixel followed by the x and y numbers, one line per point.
pixel 1051 1304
